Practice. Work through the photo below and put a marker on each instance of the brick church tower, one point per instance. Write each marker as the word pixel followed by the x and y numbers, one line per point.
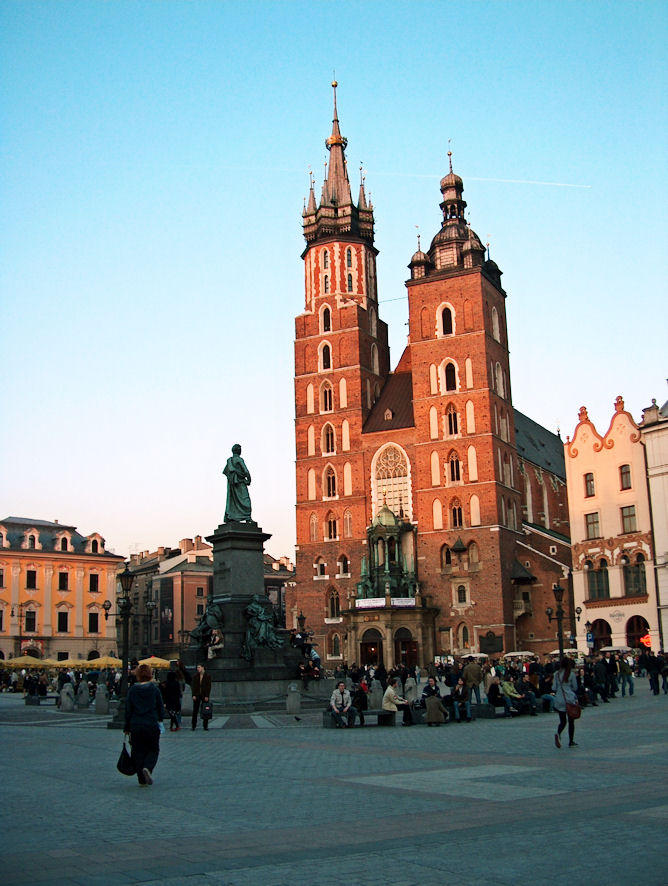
pixel 415 523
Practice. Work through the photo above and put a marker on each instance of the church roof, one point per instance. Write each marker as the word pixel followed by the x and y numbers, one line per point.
pixel 394 407
pixel 539 446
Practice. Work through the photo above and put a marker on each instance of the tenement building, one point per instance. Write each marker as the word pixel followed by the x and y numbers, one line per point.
pixel 431 515
pixel 53 583
pixel 614 576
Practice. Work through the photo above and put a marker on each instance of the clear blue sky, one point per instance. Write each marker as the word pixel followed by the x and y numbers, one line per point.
pixel 154 159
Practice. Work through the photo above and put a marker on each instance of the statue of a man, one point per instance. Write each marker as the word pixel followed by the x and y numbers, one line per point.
pixel 238 505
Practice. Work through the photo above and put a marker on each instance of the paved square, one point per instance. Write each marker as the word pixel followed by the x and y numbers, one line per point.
pixel 284 802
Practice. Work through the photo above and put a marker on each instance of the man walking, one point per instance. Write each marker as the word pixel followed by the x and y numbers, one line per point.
pixel 201 689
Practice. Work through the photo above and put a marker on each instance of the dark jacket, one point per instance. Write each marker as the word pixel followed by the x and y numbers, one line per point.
pixel 495 696
pixel 143 707
pixel 435 710
pixel 429 691
pixel 201 686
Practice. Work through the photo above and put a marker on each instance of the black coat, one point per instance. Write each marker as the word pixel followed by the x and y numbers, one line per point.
pixel 143 707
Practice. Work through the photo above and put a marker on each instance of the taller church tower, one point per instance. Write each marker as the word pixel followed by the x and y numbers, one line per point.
pixel 341 362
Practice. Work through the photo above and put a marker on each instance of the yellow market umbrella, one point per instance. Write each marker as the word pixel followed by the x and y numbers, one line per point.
pixel 49 663
pixel 105 661
pixel 72 663
pixel 26 661
pixel 157 663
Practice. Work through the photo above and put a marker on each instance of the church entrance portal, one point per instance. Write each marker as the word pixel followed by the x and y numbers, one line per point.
pixel 371 648
pixel 405 648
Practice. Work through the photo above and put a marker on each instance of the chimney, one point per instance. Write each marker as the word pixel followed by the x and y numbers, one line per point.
pixel 198 541
pixel 161 551
pixel 186 544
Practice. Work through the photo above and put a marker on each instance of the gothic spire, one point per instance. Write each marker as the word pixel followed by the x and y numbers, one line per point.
pixel 338 186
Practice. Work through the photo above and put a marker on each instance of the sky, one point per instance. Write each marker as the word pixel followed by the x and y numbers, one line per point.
pixel 154 158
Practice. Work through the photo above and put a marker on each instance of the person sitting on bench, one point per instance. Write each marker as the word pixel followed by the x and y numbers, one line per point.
pixel 497 699
pixel 341 707
pixel 392 701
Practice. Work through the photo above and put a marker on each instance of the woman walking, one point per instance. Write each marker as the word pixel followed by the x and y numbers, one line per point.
pixel 172 697
pixel 565 689
pixel 144 712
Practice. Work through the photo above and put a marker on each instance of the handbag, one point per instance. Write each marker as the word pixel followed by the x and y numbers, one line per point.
pixel 573 709
pixel 125 765
pixel 206 711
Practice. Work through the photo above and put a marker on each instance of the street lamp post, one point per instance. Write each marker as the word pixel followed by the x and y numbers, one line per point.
pixel 20 615
pixel 558 615
pixel 124 605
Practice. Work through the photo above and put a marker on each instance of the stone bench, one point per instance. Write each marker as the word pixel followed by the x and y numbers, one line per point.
pixel 41 699
pixel 383 718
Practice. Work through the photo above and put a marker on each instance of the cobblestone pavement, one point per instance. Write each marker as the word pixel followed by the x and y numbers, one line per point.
pixel 284 801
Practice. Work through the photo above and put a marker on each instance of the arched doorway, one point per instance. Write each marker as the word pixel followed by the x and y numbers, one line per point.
pixel 602 633
pixel 371 647
pixel 636 627
pixel 405 648
pixel 93 654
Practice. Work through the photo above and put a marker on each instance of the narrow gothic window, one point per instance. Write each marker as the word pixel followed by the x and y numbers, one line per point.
pixel 446 317
pixel 330 482
pixel 334 605
pixel 455 472
pixel 31 541
pixel 453 423
pixel 326 357
pixel 331 527
pixel 345 565
pixel 446 557
pixel 326 320
pixel 349 258
pixel 313 528
pixel 347 524
pixel 457 521
pixel 328 440
pixel 63 544
pixel 94 548
pixel 450 377
pixel 327 398
pixel 325 259
pixel 461 594
pixel 326 283
pixel 350 282
pixel 465 636
pixel 392 484
pixel 474 554
pixel 336 645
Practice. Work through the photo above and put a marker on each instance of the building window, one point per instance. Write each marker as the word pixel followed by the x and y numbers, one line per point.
pixel 313 528
pixel 31 622
pixel 326 398
pixel 446 319
pixel 325 259
pixel 349 258
pixel 392 483
pixel 326 320
pixel 456 511
pixel 625 476
pixel 200 609
pixel 597 580
pixel 589 485
pixel 31 579
pixel 474 554
pixel 63 544
pixel 328 447
pixel 2 620
pixel 350 282
pixel 344 565
pixel 455 468
pixel 93 623
pixel 334 605
pixel 63 581
pixel 446 557
pixel 326 284
pixel 495 325
pixel 635 584
pixel 452 420
pixel 347 524
pixel 31 541
pixel 461 594
pixel 336 645
pixel 326 357
pixel 592 529
pixel 199 592
pixel 94 547
pixel 320 568
pixel 629 518
pixel 465 636
pixel 63 619
pixel 93 583
pixel 450 377
pixel 331 527
pixel 2 578
pixel 330 483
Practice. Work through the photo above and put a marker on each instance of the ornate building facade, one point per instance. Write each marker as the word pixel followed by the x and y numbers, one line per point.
pixel 431 515
pixel 53 582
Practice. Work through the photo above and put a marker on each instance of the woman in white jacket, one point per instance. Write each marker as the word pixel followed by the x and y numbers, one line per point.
pixel 565 688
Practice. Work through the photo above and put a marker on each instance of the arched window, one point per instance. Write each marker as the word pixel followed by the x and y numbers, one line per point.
pixel 452 421
pixel 372 322
pixel 331 527
pixel 465 636
pixel 528 498
pixel 347 479
pixel 635 583
pixel 326 357
pixel 433 423
pixel 325 259
pixel 313 528
pixel 374 358
pixel 507 479
pixel 343 393
pixel 499 381
pixel 328 440
pixel 433 379
pixel 94 547
pixel 474 553
pixel 474 507
pixel 435 469
pixel 437 514
pixel 390 481
pixel 310 399
pixel 326 320
pixel 345 435
pixel 320 567
pixel 344 565
pixel 495 325
pixel 336 645
pixel 468 372
pixel 334 604
pixel 446 557
pixel 512 518
pixel 470 417
pixel 454 468
pixel 311 484
pixel 326 284
pixel 63 544
pixel 326 398
pixel 625 477
pixel 347 524
pixel 350 282
pixel 456 515
pixel 330 482
pixel 446 321
pixel 310 440
pixel 31 541
pixel 636 627
pixel 472 459
pixel 602 633
pixel 461 594
pixel 349 257
pixel 450 377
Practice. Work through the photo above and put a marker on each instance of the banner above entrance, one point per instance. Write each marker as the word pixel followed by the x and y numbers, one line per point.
pixel 379 602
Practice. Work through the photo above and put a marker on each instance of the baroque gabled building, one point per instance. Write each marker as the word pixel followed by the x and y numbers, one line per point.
pixel 413 534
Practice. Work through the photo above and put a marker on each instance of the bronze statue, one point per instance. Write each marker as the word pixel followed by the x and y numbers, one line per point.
pixel 260 630
pixel 211 621
pixel 238 505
